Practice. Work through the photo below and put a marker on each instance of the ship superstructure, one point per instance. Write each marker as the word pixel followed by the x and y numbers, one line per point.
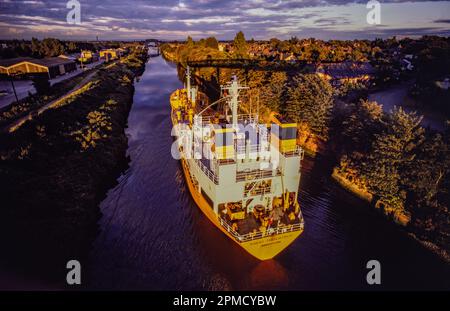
pixel 244 175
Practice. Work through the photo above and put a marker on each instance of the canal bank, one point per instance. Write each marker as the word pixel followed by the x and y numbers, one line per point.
pixel 54 171
pixel 153 236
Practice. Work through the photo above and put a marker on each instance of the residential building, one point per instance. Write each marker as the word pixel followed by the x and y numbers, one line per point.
pixel 348 71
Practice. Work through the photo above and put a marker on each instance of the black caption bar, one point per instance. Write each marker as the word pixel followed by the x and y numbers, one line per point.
pixel 174 301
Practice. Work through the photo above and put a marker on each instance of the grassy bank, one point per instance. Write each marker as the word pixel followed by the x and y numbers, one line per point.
pixel 351 187
pixel 56 168
pixel 32 102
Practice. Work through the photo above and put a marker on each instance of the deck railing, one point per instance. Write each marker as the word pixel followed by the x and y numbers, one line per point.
pixel 240 175
pixel 297 152
pixel 257 192
pixel 208 172
pixel 258 235
pixel 241 149
pixel 249 117
pixel 256 174
pixel 207 119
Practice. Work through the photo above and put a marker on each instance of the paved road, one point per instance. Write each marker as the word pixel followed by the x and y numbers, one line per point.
pixel 18 123
pixel 75 73
pixel 25 86
pixel 398 96
pixel 22 89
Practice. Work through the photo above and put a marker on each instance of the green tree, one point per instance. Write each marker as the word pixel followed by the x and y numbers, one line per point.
pixel 283 46
pixel 189 42
pixel 392 151
pixel 310 100
pixel 432 167
pixel 356 55
pixel 240 45
pixel 315 55
pixel 51 47
pixel 211 42
pixel 272 93
pixel 428 183
pixel 361 126
pixel 293 40
pixel 274 42
pixel 72 46
pixel 35 47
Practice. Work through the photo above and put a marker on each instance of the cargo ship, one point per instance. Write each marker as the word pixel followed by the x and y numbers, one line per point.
pixel 243 174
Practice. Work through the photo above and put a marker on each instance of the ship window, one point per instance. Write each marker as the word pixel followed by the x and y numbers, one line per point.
pixel 288 133
pixel 224 139
pixel 253 139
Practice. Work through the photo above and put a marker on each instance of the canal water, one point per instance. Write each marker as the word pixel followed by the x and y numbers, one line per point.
pixel 152 235
pixel 398 95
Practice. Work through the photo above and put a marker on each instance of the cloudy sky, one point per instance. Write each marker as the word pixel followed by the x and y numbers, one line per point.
pixel 259 19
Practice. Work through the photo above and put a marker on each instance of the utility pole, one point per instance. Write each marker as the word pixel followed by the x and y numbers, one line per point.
pixel 14 88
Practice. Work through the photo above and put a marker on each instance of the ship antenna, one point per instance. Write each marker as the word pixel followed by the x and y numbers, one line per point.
pixel 188 82
pixel 233 89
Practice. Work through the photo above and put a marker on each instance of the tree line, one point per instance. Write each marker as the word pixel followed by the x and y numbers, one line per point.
pixel 49 47
pixel 405 167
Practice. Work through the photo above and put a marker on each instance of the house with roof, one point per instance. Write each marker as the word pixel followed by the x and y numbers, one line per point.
pixel 291 58
pixel 87 57
pixel 348 71
pixel 72 56
pixel 125 51
pixel 110 54
pixel 51 66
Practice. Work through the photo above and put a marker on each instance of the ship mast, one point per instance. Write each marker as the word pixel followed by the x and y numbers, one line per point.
pixel 233 89
pixel 188 82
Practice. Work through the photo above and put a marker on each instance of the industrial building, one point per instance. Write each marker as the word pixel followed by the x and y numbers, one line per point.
pixel 52 66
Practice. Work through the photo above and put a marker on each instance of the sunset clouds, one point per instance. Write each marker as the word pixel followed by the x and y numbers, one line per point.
pixel 260 19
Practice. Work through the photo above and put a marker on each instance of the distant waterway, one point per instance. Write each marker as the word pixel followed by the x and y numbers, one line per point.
pixel 153 236
pixel 398 95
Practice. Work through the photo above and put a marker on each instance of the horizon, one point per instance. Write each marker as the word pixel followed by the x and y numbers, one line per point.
pixel 220 41
pixel 260 20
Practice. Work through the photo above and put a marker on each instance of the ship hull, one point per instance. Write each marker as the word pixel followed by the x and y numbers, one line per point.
pixel 262 248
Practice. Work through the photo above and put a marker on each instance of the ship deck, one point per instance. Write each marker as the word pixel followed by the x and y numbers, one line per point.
pixel 276 221
pixel 253 234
